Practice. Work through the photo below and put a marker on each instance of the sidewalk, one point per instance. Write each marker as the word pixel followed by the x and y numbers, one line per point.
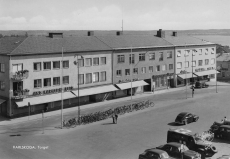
pixel 68 110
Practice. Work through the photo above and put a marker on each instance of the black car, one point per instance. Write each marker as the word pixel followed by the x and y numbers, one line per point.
pixel 185 118
pixel 216 125
pixel 154 154
pixel 223 132
pixel 178 150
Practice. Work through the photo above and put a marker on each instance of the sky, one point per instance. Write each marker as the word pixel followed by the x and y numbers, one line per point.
pixel 109 14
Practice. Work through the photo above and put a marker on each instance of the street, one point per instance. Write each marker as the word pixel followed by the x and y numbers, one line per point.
pixel 133 133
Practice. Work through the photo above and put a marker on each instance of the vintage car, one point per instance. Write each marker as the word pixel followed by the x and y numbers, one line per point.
pixel 216 125
pixel 224 157
pixel 223 132
pixel 178 150
pixel 201 84
pixel 185 118
pixel 185 136
pixel 154 154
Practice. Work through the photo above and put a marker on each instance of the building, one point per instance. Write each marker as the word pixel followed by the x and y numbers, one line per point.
pixel 35 70
pixel 223 66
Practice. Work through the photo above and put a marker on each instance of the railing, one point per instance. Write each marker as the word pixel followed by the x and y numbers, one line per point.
pixel 20 75
pixel 20 94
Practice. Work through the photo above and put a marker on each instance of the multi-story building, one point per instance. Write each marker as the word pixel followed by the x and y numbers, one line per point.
pixel 223 66
pixel 35 70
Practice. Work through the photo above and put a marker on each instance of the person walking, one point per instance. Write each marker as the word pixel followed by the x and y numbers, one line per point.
pixel 116 117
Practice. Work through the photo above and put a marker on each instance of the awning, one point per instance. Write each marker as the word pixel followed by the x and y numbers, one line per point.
pixel 206 72
pixel 2 100
pixel 131 84
pixel 95 90
pixel 188 75
pixel 45 99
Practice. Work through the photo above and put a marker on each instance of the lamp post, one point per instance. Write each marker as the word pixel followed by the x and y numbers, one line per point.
pixel 186 80
pixel 192 77
pixel 216 80
pixel 61 91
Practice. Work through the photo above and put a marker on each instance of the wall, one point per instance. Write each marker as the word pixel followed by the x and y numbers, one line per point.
pixel 5 76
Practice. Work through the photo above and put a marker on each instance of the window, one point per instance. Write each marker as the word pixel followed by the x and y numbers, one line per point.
pixel 47 82
pixel 96 61
pixel 80 62
pixel 200 62
pixel 161 56
pixel 127 72
pixel 2 67
pixel 194 52
pixel 37 66
pixel 81 78
pixel 187 64
pixel 200 52
pixel 103 76
pixel 163 67
pixel 169 54
pixel 88 62
pixel 206 61
pixel 120 58
pixel 65 64
pixel 96 77
pixel 88 78
pixel 143 70
pixel 158 68
pixel 142 57
pixel 150 69
pixel 131 58
pixel 65 79
pixel 17 67
pixel 37 83
pixel 47 65
pixel 193 63
pixel 135 71
pixel 56 64
pixel 179 53
pixel 213 51
pixel 179 65
pixel 212 61
pixel 206 51
pixel 170 66
pixel 186 52
pixel 56 81
pixel 2 85
pixel 103 60
pixel 119 73
pixel 152 56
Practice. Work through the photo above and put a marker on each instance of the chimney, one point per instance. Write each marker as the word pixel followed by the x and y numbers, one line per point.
pixel 174 33
pixel 56 35
pixel 119 33
pixel 90 33
pixel 161 33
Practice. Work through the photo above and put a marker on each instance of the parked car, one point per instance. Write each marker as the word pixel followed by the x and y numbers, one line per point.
pixel 223 132
pixel 154 154
pixel 224 157
pixel 185 118
pixel 216 125
pixel 178 150
pixel 201 84
pixel 185 136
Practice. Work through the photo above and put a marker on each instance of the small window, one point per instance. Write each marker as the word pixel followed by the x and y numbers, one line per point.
pixel 161 56
pixel 119 73
pixel 179 65
pixel 47 82
pixel 163 67
pixel 56 81
pixel 88 62
pixel 142 57
pixel 88 78
pixel 66 64
pixel 47 65
pixel 150 69
pixel 81 62
pixel 131 58
pixel 200 52
pixel 170 66
pixel 206 61
pixel 37 66
pixel 143 70
pixel 2 67
pixel 152 56
pixel 96 61
pixel 200 62
pixel 178 53
pixel 56 64
pixel 103 76
pixel 193 63
pixel 65 79
pixel 187 64
pixel 103 60
pixel 169 54
pixel 187 52
pixel 213 51
pixel 2 85
pixel 81 78
pixel 158 68
pixel 96 77
pixel 212 61
pixel 127 72
pixel 206 51
pixel 135 71
pixel 120 58
pixel 37 83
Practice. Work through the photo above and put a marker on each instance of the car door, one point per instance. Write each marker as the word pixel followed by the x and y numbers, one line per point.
pixel 175 152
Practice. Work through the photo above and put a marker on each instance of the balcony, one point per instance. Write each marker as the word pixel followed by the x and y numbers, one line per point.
pixel 17 94
pixel 20 75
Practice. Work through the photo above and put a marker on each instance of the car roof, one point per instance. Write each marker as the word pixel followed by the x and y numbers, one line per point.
pixel 156 150
pixel 183 113
pixel 181 131
pixel 225 126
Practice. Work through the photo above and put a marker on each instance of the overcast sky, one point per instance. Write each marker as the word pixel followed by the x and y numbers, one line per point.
pixel 108 14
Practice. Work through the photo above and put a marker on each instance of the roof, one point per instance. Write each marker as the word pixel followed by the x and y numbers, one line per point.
pixel 134 41
pixel 186 40
pixel 223 57
pixel 181 131
pixel 8 44
pixel 182 113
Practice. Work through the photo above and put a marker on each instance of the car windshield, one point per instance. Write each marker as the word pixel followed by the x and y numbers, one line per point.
pixel 165 155
pixel 180 117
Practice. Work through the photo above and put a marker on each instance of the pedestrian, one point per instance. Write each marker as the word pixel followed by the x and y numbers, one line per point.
pixel 225 119
pixel 113 116
pixel 116 117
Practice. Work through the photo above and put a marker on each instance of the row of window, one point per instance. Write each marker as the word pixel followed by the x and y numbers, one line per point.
pixel 143 70
pixel 142 57
pixel 200 63
pixel 47 82
pixel 194 52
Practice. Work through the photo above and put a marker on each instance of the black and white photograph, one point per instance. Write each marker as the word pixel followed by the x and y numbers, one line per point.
pixel 114 79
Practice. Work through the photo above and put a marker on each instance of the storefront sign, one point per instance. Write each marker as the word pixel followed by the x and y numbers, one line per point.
pixel 52 91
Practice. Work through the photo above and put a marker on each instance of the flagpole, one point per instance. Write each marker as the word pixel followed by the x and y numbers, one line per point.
pixel 62 92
